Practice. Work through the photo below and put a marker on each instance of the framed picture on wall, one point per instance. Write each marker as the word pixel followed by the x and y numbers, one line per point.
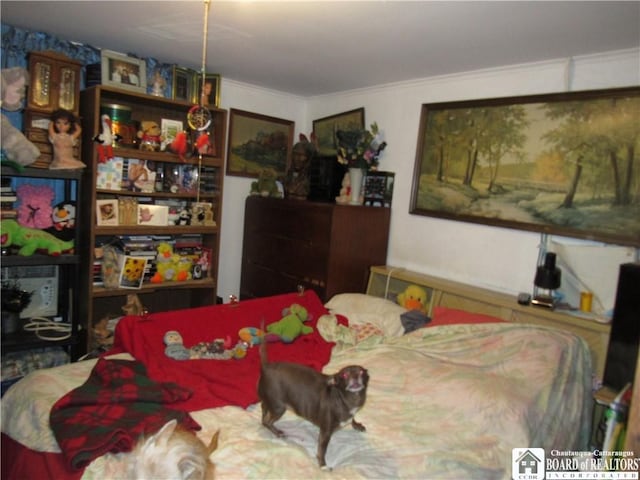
pixel 122 71
pixel 553 163
pixel 325 129
pixel 257 142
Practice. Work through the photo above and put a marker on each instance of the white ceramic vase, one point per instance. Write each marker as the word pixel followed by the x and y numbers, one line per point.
pixel 356 176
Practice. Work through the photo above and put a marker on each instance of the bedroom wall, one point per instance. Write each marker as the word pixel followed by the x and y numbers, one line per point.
pixel 497 258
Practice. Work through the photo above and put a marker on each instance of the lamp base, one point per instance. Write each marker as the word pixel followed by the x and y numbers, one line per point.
pixel 543 301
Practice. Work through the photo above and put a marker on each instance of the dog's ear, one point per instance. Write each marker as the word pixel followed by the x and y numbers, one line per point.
pixel 162 437
pixel 365 377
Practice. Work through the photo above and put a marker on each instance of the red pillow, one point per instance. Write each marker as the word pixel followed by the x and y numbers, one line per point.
pixel 453 316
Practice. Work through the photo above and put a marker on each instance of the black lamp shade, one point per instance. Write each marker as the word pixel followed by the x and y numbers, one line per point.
pixel 548 275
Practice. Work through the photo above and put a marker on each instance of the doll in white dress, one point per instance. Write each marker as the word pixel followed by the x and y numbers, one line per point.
pixel 64 132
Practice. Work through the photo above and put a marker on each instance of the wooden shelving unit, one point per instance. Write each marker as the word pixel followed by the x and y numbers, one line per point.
pixel 103 302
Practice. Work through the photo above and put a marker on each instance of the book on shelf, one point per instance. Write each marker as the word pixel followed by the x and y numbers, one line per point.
pixel 8 213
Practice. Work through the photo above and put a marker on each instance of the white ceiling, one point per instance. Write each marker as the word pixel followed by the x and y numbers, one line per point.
pixel 315 47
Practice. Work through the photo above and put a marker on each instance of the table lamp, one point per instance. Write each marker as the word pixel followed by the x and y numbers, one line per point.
pixel 546 281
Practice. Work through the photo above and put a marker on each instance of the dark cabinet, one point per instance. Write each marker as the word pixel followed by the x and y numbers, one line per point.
pixel 325 247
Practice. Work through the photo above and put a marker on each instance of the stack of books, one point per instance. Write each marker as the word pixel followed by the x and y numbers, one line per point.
pixel 7 198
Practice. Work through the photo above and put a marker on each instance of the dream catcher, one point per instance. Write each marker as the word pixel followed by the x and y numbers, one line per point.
pixel 199 117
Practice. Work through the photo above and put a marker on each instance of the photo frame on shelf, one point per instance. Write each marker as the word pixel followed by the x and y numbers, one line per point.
pixel 157 215
pixel 211 95
pixel 159 82
pixel 169 130
pixel 107 212
pixel 378 188
pixel 183 84
pixel 128 210
pixel 123 71
pixel 257 142
pixel 553 163
pixel 325 129
pixel 132 271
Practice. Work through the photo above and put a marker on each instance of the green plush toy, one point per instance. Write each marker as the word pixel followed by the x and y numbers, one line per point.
pixel 31 239
pixel 266 185
pixel 292 324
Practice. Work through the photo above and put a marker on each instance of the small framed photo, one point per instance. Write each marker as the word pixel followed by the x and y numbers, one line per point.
pixel 157 215
pixel 132 271
pixel 122 71
pixel 378 189
pixel 170 129
pixel 183 84
pixel 128 210
pixel 210 94
pixel 202 214
pixel 107 212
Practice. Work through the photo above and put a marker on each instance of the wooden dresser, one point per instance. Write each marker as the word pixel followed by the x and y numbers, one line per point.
pixel 321 246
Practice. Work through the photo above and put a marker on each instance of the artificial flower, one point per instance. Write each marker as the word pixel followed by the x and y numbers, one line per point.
pixel 360 148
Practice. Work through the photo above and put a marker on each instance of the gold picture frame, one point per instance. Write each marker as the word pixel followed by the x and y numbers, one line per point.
pixel 257 142
pixel 553 163
pixel 325 129
pixel 183 84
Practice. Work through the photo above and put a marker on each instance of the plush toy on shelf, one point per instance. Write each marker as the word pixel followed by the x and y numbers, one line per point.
pixel 150 136
pixel 17 150
pixel 267 184
pixel 292 324
pixel 31 240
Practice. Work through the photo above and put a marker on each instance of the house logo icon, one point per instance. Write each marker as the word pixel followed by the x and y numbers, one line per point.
pixel 527 464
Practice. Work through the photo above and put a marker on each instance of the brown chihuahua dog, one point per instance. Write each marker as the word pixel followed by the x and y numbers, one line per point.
pixel 328 401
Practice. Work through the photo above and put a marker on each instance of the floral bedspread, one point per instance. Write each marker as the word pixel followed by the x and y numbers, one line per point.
pixel 443 402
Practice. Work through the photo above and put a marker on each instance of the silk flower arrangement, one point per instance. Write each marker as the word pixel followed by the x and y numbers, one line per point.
pixel 360 148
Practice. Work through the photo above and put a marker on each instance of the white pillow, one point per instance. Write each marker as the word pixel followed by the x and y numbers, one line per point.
pixel 360 308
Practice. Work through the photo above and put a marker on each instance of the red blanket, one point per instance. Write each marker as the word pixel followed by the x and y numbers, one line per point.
pixel 216 383
pixel 112 409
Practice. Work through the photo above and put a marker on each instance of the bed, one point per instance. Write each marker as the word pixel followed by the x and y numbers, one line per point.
pixel 450 399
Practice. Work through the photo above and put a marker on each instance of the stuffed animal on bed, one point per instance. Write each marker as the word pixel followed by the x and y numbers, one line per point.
pixel 292 324
pixel 175 347
pixel 413 298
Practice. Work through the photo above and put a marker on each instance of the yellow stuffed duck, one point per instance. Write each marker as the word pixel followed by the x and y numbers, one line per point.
pixel 414 297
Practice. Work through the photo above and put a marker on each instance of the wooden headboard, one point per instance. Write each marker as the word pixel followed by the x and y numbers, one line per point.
pixel 387 281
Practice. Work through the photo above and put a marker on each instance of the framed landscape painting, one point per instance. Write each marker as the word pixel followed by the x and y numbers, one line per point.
pixel 257 142
pixel 565 164
pixel 325 129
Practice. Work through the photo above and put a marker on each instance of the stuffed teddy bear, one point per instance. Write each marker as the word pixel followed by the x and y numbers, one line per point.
pixel 16 147
pixel 414 297
pixel 345 191
pixel 292 324
pixel 266 185
pixel 34 205
pixel 150 136
pixel 31 239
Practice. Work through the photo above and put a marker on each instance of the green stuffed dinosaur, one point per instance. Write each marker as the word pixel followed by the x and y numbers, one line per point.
pixel 292 324
pixel 31 239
